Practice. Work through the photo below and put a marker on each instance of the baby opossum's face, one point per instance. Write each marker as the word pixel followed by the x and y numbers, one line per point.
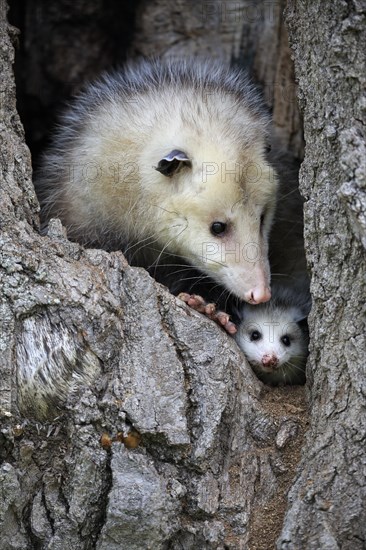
pixel 217 217
pixel 274 343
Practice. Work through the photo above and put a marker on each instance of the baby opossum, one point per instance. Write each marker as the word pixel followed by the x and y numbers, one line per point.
pixel 166 161
pixel 274 336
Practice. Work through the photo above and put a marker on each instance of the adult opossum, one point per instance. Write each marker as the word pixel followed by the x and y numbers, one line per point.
pixel 166 161
pixel 274 336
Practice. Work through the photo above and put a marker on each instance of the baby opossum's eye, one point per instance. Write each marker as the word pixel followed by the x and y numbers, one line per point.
pixel 255 335
pixel 218 228
pixel 286 340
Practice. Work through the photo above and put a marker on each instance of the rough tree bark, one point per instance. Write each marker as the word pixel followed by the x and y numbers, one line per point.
pixel 216 450
pixel 327 501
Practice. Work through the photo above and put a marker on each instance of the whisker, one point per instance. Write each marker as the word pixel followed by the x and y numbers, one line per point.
pixel 147 240
pixel 199 279
pixel 294 366
pixel 193 278
pixel 156 262
pixel 189 260
pixel 289 193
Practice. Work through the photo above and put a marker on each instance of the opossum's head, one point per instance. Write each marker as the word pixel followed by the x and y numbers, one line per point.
pixel 275 341
pixel 216 214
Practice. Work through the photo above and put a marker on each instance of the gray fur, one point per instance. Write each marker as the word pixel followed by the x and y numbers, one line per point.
pixel 286 245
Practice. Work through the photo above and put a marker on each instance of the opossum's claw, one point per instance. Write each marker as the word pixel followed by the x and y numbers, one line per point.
pixel 197 303
pixel 224 320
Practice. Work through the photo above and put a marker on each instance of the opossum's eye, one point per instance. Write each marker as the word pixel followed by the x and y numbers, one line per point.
pixel 172 162
pixel 286 340
pixel 255 335
pixel 217 228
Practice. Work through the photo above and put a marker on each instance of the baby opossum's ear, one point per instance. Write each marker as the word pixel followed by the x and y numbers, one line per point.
pixel 172 163
pixel 302 317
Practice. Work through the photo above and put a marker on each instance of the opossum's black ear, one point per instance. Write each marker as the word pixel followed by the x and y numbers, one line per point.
pixel 302 317
pixel 172 163
pixel 304 311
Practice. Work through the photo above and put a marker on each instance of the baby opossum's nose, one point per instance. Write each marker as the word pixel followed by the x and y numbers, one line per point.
pixel 269 360
pixel 258 295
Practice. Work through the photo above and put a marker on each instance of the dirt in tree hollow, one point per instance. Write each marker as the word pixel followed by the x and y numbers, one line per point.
pixel 267 520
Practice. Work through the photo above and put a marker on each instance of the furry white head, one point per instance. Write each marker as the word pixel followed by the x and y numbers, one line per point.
pixel 274 336
pixel 167 161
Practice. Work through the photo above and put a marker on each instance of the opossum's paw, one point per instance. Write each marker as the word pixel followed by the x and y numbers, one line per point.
pixel 224 320
pixel 199 304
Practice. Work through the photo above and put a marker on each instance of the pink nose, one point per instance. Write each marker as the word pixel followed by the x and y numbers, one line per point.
pixel 258 295
pixel 269 360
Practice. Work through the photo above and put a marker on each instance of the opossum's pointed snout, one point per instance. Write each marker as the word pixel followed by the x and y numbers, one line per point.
pixel 258 295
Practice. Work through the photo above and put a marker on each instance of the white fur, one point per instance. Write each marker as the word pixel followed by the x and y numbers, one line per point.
pixel 99 177
pixel 274 320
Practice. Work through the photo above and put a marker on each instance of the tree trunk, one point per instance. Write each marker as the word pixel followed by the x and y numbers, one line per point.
pixel 161 436
pixel 327 500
